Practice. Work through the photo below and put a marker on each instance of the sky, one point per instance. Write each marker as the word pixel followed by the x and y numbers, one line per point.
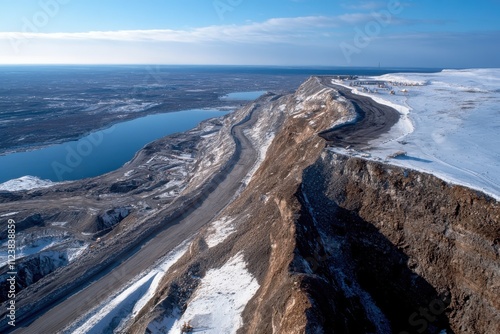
pixel 356 33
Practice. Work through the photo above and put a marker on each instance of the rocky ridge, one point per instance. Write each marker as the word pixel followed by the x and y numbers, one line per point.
pixel 342 244
pixel 329 243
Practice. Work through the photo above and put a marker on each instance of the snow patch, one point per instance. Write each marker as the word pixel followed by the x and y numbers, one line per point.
pixel 403 80
pixel 28 247
pixel 219 231
pixel 74 253
pixel 220 299
pixel 27 250
pixel 129 173
pixel 9 214
pixel 26 183
pixel 58 223
pixel 163 325
pixel 262 148
pixel 262 135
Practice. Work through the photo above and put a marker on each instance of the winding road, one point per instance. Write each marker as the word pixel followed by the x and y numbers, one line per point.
pixel 136 257
pixel 81 298
pixel 373 120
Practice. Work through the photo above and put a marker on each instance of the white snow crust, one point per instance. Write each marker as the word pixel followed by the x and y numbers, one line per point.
pixel 450 125
pixel 219 231
pixel 219 300
pixel 25 183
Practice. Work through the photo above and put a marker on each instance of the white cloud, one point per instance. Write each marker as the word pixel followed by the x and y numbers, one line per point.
pixel 209 44
pixel 297 31
pixel 366 5
pixel 374 5
pixel 311 40
pixel 273 30
pixel 356 18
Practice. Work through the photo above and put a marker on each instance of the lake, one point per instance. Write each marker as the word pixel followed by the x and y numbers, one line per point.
pixel 102 151
pixel 243 96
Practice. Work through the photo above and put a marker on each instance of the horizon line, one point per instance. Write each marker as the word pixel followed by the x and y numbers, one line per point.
pixel 243 65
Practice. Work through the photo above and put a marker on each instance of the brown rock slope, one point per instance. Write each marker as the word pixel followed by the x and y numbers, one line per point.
pixel 345 245
pixel 426 252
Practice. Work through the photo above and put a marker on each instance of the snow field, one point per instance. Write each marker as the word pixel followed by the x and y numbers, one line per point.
pixel 25 183
pixel 449 127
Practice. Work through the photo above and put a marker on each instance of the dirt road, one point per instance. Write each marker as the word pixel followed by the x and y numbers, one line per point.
pixel 374 120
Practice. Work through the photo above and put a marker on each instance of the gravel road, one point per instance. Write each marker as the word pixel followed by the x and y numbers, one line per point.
pixel 374 120
pixel 66 309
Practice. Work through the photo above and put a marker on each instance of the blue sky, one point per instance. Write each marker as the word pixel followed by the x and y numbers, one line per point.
pixel 423 33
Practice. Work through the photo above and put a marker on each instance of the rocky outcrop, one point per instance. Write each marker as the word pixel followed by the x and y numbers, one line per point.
pixel 112 217
pixel 426 253
pixel 6 196
pixel 379 248
pixel 264 215
pixel 369 247
pixel 125 186
pixel 34 220
pixel 32 269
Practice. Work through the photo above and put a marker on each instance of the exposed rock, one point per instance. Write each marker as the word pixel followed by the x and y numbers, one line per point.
pixel 7 196
pixel 125 186
pixel 26 223
pixel 410 240
pixel 112 218
pixel 31 270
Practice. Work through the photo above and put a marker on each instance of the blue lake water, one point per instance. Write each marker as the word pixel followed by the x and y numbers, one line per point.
pixel 243 96
pixel 101 151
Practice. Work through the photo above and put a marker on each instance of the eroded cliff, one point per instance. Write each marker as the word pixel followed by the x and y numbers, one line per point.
pixel 342 244
pixel 424 253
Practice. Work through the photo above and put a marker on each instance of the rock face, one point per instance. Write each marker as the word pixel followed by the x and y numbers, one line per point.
pixel 32 270
pixel 125 186
pixel 425 252
pixel 28 222
pixel 112 217
pixel 372 247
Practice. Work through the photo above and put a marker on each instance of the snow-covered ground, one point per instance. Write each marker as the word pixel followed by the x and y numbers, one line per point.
pixel 262 135
pixel 219 300
pixel 215 307
pixel 450 125
pixel 56 244
pixel 34 248
pixel 9 214
pixel 25 183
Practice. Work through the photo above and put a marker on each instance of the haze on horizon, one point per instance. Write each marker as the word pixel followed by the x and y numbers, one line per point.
pixel 438 34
